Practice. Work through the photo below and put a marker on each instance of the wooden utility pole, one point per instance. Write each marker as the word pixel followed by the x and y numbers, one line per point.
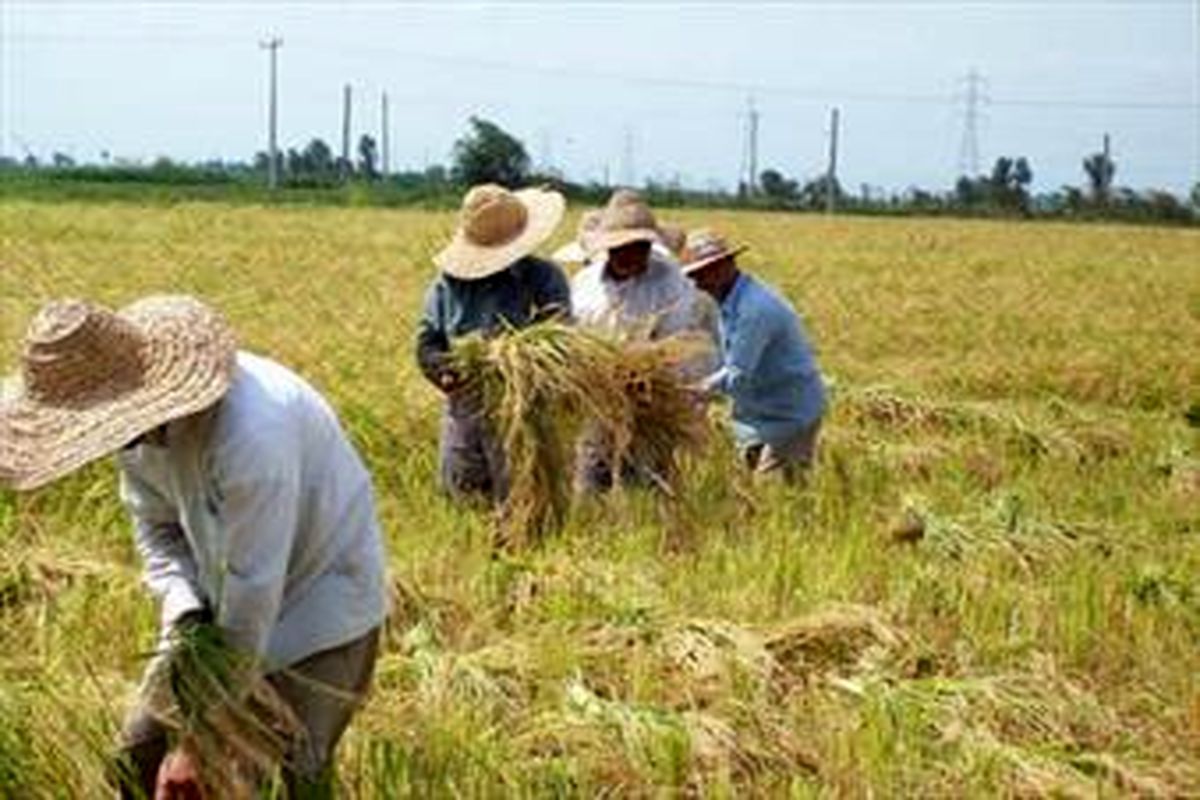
pixel 347 165
pixel 383 140
pixel 752 178
pixel 273 44
pixel 831 175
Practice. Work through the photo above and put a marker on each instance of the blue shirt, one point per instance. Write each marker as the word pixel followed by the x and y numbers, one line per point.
pixel 768 367
pixel 528 291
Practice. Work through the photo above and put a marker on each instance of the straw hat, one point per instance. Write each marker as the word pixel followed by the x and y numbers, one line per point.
pixel 705 246
pixel 626 219
pixel 93 380
pixel 497 227
pixel 576 251
pixel 673 237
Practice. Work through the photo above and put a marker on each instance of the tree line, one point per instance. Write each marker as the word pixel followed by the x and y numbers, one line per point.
pixel 488 153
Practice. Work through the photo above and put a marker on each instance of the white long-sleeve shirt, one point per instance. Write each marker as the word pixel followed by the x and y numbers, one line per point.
pixel 658 303
pixel 261 509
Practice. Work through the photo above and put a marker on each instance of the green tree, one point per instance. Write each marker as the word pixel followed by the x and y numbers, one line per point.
pixel 1100 169
pixel 367 158
pixel 777 187
pixel 488 154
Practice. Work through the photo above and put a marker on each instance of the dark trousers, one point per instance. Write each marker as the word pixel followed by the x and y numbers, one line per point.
pixel 324 690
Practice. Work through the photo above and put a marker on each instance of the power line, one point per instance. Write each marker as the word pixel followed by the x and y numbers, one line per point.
pixel 556 70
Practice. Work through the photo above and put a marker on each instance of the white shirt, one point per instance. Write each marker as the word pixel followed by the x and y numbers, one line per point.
pixel 260 508
pixel 658 303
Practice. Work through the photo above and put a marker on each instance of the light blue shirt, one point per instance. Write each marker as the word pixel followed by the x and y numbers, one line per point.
pixel 260 509
pixel 768 367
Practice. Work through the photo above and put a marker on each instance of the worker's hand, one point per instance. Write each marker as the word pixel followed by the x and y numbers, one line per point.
pixel 178 777
pixel 450 381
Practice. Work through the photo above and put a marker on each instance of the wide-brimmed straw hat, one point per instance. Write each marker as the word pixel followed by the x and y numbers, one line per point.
pixel 704 247
pixel 497 227
pixel 92 380
pixel 624 220
pixel 576 250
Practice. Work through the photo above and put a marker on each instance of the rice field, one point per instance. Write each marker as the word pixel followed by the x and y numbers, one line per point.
pixel 990 588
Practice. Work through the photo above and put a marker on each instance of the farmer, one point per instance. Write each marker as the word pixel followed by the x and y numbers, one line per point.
pixel 489 280
pixel 768 369
pixel 633 285
pixel 251 508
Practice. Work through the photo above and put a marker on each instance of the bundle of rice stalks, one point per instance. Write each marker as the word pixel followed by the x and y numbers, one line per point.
pixel 541 385
pixel 221 710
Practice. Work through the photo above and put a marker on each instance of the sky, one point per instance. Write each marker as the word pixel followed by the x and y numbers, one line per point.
pixel 629 91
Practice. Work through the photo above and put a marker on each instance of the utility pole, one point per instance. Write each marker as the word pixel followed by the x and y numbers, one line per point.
pixel 831 175
pixel 383 139
pixel 628 170
pixel 752 152
pixel 273 44
pixel 968 153
pixel 346 163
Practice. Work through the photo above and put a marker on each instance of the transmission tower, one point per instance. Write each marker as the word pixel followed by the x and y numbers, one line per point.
pixel 973 97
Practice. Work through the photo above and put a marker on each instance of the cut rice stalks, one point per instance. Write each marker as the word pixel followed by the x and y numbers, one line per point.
pixel 543 385
pixel 221 710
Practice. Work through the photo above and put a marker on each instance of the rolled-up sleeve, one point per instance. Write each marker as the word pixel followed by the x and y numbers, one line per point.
pixel 744 356
pixel 259 489
pixel 170 565
pixel 433 340
pixel 551 292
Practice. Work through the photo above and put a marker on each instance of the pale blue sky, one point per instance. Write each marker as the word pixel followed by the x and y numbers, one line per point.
pixel 189 80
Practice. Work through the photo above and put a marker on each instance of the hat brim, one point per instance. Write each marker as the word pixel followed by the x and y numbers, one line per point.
pixel 603 241
pixel 465 260
pixel 708 261
pixel 189 353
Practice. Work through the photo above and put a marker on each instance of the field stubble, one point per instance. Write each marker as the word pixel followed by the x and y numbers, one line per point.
pixel 991 585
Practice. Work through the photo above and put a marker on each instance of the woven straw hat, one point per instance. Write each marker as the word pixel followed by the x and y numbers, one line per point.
pixel 705 246
pixel 626 219
pixel 497 227
pixel 92 380
pixel 576 250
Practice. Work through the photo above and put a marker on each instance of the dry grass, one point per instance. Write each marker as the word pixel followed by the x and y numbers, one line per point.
pixel 988 589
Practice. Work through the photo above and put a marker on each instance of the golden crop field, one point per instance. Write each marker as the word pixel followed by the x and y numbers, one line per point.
pixel 991 586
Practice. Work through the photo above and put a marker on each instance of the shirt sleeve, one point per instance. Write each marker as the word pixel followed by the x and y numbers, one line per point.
pixel 259 500
pixel 551 292
pixel 170 567
pixel 433 341
pixel 748 343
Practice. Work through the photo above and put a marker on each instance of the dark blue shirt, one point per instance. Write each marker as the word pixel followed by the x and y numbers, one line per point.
pixel 526 292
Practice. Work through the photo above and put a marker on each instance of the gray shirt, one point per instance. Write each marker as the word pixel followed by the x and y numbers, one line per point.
pixel 260 509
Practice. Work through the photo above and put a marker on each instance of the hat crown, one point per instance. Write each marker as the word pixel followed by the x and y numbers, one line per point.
pixel 626 210
pixel 704 243
pixel 77 352
pixel 492 216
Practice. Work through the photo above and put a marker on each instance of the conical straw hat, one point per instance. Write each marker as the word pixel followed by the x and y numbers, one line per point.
pixel 92 380
pixel 497 227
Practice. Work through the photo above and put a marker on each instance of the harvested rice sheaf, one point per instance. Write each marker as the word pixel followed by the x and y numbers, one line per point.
pixel 542 386
pixel 219 707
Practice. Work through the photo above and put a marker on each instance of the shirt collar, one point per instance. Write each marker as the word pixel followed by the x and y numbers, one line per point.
pixel 731 300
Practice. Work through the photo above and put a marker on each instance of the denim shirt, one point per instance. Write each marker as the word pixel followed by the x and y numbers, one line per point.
pixel 768 367
pixel 529 290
